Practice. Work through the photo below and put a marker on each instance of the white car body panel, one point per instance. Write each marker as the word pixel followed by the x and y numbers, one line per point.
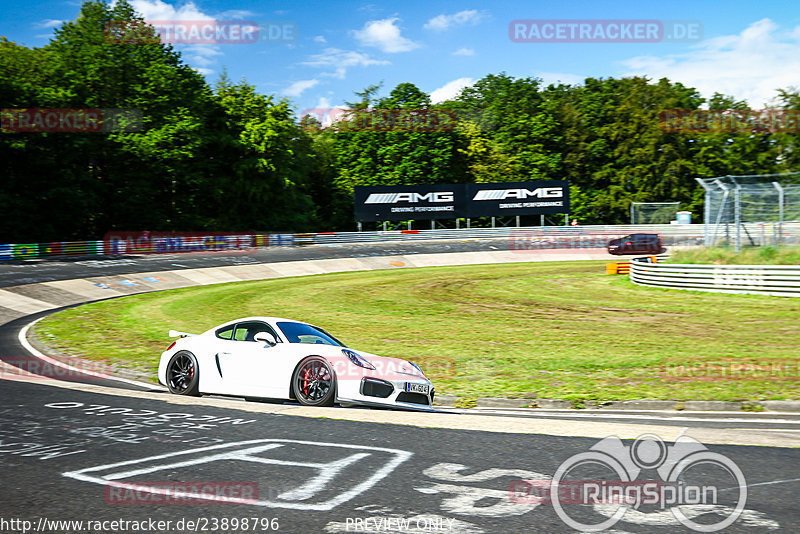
pixel 256 369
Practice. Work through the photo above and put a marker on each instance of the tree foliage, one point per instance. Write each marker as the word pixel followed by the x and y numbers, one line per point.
pixel 228 158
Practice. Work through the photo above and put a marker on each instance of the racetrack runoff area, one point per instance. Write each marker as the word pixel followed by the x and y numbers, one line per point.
pixel 528 331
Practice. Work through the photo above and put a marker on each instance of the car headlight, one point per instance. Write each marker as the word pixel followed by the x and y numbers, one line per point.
pixel 357 359
pixel 415 366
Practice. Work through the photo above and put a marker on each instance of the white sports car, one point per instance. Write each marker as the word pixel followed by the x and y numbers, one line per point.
pixel 270 357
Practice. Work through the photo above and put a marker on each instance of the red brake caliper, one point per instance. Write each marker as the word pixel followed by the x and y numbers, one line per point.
pixel 306 376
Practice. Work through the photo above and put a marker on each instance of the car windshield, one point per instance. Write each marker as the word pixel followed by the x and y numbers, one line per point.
pixel 305 333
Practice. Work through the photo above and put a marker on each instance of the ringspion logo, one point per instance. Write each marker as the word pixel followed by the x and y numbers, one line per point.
pixel 703 490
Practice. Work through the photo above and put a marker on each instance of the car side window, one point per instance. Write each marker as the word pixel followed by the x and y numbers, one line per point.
pixel 226 333
pixel 247 331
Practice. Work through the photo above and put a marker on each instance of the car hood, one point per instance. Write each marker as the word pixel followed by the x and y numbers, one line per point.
pixel 385 366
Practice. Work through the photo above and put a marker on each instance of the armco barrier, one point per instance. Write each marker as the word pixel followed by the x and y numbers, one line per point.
pixel 156 245
pixel 520 238
pixel 779 280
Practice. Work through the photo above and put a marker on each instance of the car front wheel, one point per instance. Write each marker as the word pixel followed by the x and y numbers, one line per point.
pixel 314 383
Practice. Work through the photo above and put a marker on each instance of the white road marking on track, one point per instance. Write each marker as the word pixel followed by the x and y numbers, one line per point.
pixel 465 499
pixel 772 482
pixel 601 415
pixel 450 472
pixel 23 339
pixel 307 490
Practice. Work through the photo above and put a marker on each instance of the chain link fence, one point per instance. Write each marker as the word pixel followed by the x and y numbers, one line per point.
pixel 751 210
pixel 653 212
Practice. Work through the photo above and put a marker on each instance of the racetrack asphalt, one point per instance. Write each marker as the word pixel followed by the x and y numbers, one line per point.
pixel 458 479
pixel 48 270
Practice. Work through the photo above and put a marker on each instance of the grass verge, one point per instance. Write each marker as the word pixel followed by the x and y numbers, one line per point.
pixel 535 330
pixel 783 255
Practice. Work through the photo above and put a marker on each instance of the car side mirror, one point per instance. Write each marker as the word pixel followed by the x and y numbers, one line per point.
pixel 266 337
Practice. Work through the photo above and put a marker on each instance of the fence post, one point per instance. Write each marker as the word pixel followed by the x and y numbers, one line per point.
pixel 720 212
pixel 738 216
pixel 780 210
pixel 706 210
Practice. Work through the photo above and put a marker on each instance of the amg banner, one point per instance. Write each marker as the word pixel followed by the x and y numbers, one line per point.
pixel 406 202
pixel 518 198
pixel 451 201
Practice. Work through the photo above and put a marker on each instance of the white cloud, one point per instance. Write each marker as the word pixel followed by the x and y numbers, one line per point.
pixel 200 54
pixel 450 90
pixel 320 39
pixel 750 65
pixel 48 23
pixel 341 60
pixel 385 35
pixel 444 22
pixel 158 10
pixel 464 52
pixel 299 87
pixel 323 102
pixel 235 14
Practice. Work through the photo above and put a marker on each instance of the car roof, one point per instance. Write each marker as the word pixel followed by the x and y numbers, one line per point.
pixel 265 319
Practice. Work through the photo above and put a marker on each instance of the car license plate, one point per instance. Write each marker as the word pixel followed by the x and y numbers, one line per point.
pixel 413 387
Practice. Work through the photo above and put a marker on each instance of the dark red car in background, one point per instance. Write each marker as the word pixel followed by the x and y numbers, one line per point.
pixel 636 244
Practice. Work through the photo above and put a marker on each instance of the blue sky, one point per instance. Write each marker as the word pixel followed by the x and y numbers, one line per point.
pixel 748 49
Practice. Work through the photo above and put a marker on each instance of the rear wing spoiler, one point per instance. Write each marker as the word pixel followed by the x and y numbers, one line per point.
pixel 175 333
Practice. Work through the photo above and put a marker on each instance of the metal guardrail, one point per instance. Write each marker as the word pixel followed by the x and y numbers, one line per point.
pixel 520 238
pixel 599 231
pixel 777 280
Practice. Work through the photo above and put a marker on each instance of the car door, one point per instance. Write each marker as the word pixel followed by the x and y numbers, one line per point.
pixel 641 243
pixel 252 368
pixel 213 348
